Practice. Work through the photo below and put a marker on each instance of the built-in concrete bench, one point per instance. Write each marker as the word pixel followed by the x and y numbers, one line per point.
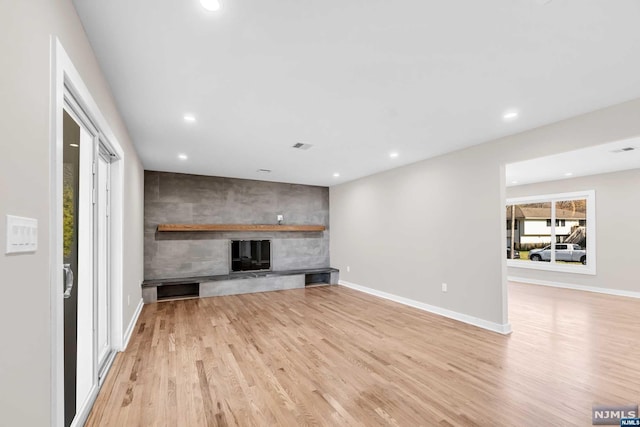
pixel 235 283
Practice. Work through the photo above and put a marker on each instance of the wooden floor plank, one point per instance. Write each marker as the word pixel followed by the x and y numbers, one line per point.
pixel 334 356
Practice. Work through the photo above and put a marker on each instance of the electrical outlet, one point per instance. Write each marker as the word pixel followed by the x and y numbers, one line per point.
pixel 444 287
pixel 348 269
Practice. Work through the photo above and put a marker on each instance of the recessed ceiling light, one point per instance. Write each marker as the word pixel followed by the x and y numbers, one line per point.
pixel 301 146
pixel 183 156
pixel 623 150
pixel 74 145
pixel 336 175
pixel 510 115
pixel 568 174
pixel 514 182
pixel 393 154
pixel 189 118
pixel 210 5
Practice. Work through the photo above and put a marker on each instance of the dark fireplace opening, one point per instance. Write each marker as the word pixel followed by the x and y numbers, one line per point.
pixel 178 291
pixel 250 255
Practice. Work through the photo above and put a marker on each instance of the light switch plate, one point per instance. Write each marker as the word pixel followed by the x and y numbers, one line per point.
pixel 22 234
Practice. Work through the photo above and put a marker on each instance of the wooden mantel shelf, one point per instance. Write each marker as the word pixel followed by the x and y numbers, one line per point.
pixel 238 227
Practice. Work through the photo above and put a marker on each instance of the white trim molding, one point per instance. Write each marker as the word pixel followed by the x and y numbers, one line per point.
pixel 83 411
pixel 59 62
pixel 503 329
pixel 607 291
pixel 132 325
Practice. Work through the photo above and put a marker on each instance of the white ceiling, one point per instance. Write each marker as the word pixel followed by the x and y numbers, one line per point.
pixel 588 161
pixel 358 79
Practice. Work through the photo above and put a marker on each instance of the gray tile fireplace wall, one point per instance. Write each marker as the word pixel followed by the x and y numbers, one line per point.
pixel 187 199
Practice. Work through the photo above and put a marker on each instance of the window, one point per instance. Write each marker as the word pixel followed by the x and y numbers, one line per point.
pixel 553 232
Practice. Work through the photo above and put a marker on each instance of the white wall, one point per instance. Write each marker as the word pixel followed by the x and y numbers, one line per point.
pixel 617 230
pixel 25 373
pixel 408 230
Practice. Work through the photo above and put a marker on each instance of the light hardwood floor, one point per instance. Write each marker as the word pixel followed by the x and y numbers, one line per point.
pixel 334 356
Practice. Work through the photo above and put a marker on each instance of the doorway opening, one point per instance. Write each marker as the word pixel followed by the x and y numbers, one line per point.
pixel 86 245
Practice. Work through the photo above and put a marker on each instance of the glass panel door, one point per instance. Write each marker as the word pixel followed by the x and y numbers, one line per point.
pixel 70 202
pixel 78 269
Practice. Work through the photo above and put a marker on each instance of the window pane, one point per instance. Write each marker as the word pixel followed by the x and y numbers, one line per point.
pixel 530 232
pixel 572 216
pixel 558 242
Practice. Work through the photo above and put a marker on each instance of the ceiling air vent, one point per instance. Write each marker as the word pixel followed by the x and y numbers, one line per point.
pixel 301 146
pixel 622 150
pixel 264 170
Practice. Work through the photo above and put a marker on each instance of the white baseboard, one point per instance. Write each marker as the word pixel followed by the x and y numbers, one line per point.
pixel 102 374
pixel 616 292
pixel 504 329
pixel 132 325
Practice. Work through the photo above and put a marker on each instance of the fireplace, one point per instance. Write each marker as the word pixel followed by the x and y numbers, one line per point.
pixel 250 255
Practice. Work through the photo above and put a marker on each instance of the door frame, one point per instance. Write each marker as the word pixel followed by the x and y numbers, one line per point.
pixel 66 83
pixel 103 151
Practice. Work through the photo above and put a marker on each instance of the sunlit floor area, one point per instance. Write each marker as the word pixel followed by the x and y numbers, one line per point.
pixel 334 356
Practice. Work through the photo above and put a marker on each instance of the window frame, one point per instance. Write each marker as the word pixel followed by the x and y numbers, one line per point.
pixel 590 268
